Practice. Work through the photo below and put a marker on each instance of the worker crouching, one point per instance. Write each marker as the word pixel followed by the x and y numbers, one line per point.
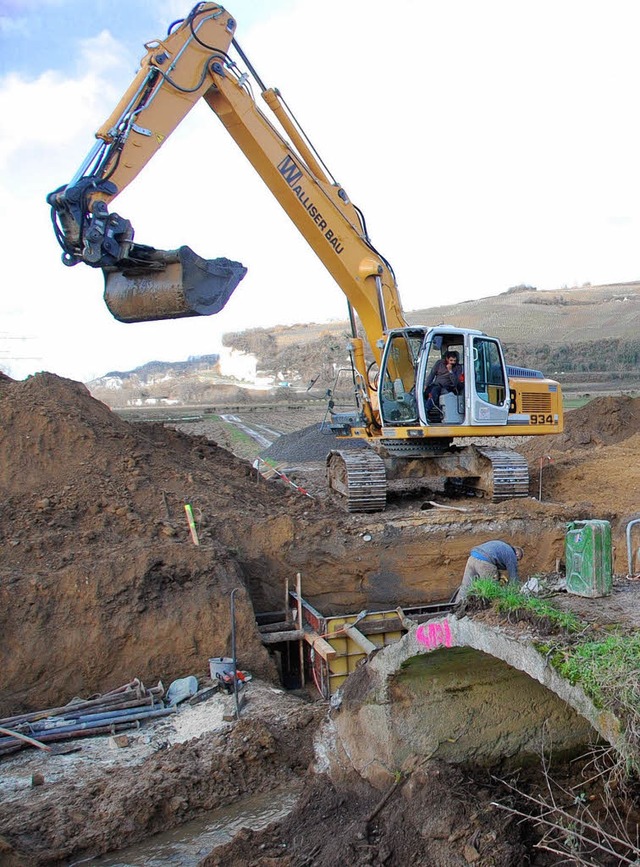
pixel 489 560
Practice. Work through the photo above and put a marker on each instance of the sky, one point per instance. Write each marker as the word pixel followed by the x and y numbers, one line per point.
pixel 489 144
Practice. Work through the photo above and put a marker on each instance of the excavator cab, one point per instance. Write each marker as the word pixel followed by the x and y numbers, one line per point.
pixel 489 384
pixel 481 398
pixel 451 404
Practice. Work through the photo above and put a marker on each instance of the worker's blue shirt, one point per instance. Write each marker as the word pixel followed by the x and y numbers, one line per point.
pixel 501 555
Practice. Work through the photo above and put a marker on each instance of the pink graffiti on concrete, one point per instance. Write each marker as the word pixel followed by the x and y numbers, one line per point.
pixel 434 635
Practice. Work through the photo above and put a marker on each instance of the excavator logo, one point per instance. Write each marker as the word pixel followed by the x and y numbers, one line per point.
pixel 289 171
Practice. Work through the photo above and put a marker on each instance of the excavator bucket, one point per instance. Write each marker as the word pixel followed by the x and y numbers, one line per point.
pixel 175 284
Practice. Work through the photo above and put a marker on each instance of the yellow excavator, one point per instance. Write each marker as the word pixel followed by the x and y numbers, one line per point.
pixel 411 437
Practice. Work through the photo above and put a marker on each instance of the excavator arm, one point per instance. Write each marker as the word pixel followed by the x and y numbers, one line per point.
pixel 144 283
pixel 320 208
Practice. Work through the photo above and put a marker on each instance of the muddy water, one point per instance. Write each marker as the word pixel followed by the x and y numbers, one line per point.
pixel 187 845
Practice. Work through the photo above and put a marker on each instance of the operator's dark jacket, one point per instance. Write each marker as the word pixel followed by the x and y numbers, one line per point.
pixel 448 380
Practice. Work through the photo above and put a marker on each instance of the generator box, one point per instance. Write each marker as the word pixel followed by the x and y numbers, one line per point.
pixel 588 558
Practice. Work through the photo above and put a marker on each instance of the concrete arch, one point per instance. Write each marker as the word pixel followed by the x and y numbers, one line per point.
pixel 457 690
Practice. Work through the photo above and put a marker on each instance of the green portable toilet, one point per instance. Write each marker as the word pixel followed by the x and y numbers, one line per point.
pixel 588 558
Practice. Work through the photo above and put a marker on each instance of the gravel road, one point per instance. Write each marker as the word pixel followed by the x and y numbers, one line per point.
pixel 286 436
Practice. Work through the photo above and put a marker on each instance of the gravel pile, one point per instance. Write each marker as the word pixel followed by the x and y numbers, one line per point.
pixel 312 443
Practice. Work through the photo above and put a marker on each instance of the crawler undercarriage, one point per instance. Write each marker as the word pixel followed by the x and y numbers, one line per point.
pixel 363 477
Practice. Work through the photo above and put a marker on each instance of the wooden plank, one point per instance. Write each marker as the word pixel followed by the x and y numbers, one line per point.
pixel 407 622
pixel 319 644
pixel 25 739
pixel 359 639
pixel 375 627
pixel 281 626
pixel 390 624
pixel 287 635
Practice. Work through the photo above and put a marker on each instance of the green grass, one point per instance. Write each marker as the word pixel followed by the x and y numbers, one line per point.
pixel 509 601
pixel 233 438
pixel 236 435
pixel 608 669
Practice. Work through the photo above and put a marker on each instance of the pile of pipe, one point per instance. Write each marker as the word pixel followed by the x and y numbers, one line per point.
pixel 116 711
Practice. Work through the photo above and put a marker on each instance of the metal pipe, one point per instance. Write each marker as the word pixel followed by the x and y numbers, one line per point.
pixel 109 699
pixel 381 307
pixel 542 460
pixel 233 652
pixel 629 551
pixel 88 160
pixel 135 684
pixel 72 719
pixel 352 319
pixel 300 626
pixel 72 728
pixel 33 719
pixel 85 733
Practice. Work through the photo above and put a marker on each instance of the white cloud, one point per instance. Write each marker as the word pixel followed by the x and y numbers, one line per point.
pixel 54 112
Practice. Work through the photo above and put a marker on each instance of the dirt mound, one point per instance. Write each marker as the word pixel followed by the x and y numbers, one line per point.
pixel 438 810
pixel 602 421
pixel 100 578
pixel 593 464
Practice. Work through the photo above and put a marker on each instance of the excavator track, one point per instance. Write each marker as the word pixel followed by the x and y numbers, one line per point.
pixel 510 474
pixel 360 477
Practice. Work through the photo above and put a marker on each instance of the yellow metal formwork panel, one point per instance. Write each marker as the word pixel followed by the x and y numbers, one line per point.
pixel 348 653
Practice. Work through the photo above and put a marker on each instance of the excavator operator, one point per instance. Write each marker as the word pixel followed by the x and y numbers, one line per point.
pixel 446 375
